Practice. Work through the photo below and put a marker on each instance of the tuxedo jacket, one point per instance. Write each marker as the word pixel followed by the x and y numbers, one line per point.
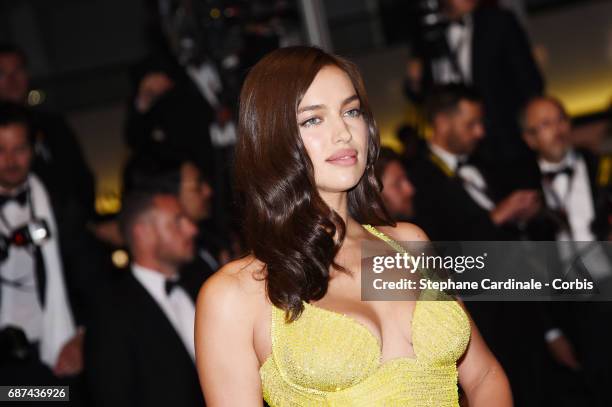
pixel 447 212
pixel 135 357
pixel 504 72
pixel 582 321
pixel 83 256
pixel 178 122
pixel 60 163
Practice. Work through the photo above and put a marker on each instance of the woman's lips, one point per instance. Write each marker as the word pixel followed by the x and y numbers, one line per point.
pixel 343 157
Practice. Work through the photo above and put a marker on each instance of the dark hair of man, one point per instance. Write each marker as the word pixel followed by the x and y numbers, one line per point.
pixel 10 48
pixel 133 206
pixel 11 113
pixel 287 225
pixel 154 172
pixel 385 157
pixel 445 99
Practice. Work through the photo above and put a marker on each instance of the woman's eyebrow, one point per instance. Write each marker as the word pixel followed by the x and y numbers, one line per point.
pixel 350 99
pixel 311 107
pixel 317 107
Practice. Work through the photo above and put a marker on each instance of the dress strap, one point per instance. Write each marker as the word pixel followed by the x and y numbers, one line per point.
pixel 384 238
pixel 427 294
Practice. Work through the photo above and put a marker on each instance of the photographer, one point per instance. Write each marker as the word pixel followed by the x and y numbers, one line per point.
pixel 39 343
pixel 486 48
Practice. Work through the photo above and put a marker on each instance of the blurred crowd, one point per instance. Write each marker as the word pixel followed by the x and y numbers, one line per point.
pixel 497 163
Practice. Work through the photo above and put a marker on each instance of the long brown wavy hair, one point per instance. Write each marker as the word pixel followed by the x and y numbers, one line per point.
pixel 287 225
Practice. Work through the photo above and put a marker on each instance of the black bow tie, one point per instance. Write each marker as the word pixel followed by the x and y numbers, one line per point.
pixel 171 284
pixel 462 162
pixel 21 198
pixel 550 176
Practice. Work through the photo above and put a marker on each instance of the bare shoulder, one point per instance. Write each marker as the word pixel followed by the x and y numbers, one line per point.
pixel 404 232
pixel 236 287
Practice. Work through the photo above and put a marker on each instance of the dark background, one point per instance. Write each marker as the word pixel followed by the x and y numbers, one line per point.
pixel 80 50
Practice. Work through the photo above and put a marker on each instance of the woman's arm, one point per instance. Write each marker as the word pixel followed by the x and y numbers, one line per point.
pixel 480 374
pixel 225 357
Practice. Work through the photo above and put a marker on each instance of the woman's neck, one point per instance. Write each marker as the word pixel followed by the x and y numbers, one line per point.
pixel 338 202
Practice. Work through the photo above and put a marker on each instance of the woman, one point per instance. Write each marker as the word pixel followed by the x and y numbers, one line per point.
pixel 287 320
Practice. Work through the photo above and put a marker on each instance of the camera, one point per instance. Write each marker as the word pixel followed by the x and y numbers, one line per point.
pixel 35 232
pixel 14 346
pixel 431 12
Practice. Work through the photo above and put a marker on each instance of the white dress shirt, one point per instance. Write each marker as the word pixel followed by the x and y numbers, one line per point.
pixel 209 84
pixel 573 194
pixel 459 39
pixel 208 81
pixel 178 306
pixel 52 325
pixel 473 181
pixel 20 305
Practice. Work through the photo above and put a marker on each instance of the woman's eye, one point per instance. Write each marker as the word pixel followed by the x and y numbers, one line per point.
pixel 353 113
pixel 311 122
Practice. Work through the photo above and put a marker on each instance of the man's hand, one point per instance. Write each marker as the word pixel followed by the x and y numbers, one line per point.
pixel 563 352
pixel 70 360
pixel 521 205
pixel 151 87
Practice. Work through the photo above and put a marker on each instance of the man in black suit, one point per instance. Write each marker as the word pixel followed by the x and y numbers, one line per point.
pixel 579 205
pixel 140 350
pixel 487 49
pixel 457 199
pixel 58 157
pixel 479 209
pixel 168 112
pixel 39 342
pixel 547 129
pixel 58 161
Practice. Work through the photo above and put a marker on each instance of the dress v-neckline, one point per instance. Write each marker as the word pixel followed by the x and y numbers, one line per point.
pixel 357 323
pixel 370 334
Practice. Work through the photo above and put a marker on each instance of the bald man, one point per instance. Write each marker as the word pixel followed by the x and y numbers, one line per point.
pixel 579 203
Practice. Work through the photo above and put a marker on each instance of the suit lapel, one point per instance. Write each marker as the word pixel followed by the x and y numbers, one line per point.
pixel 155 317
pixel 592 165
pixel 41 275
pixel 600 226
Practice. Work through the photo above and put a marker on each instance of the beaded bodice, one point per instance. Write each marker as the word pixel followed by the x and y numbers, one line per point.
pixel 325 358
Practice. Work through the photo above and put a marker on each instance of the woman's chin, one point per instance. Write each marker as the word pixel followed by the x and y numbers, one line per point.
pixel 338 186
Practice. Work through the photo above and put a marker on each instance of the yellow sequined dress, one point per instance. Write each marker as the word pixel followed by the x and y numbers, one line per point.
pixel 325 358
